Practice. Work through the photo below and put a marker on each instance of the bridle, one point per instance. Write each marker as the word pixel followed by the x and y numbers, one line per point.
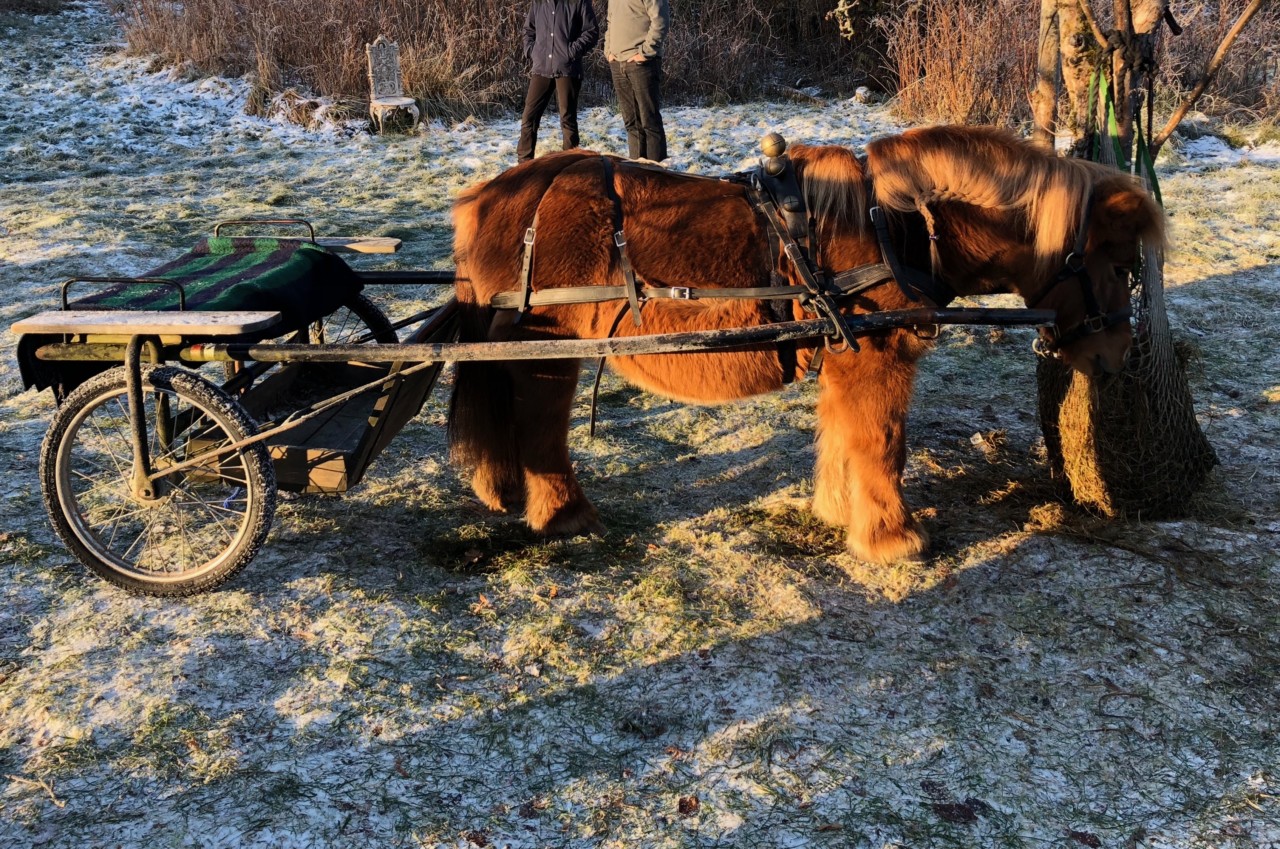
pixel 1053 339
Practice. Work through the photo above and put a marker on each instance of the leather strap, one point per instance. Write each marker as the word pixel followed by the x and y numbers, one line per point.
pixel 600 294
pixel 913 283
pixel 620 242
pixel 526 268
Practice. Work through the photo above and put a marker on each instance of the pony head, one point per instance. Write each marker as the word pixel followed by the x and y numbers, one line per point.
pixel 1091 291
pixel 1005 216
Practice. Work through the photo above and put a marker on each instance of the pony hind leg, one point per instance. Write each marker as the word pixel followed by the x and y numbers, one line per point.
pixel 861 448
pixel 542 402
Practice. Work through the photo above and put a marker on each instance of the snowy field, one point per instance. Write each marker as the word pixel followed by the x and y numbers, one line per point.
pixel 399 668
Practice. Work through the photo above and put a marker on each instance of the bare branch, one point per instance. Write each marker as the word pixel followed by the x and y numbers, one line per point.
pixel 1214 65
pixel 1087 11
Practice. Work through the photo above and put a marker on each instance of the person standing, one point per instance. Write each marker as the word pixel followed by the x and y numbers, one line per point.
pixel 634 34
pixel 557 34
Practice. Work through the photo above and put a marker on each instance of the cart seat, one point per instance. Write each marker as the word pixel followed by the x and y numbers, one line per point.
pixel 299 279
pixel 125 323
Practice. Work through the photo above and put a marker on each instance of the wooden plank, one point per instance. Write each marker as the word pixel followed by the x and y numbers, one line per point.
pixel 148 322
pixel 301 469
pixel 359 244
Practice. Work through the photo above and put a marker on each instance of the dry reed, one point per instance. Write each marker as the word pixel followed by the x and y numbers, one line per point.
pixel 964 61
pixel 948 60
pixel 960 61
pixel 465 56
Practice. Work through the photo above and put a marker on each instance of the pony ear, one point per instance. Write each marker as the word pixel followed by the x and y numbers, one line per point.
pixel 1124 215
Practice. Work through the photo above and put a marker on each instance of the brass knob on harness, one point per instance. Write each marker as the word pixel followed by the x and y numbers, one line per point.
pixel 775 161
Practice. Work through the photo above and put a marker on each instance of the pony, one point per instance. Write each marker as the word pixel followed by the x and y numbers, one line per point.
pixel 976 209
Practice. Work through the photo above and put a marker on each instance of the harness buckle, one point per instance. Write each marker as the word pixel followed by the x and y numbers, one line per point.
pixel 1074 263
pixel 680 293
pixel 1094 324
pixel 528 236
pixel 619 239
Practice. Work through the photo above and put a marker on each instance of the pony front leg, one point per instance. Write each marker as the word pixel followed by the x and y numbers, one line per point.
pixel 862 413
pixel 554 502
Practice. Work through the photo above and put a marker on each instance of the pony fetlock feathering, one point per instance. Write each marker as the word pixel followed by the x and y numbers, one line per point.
pixel 977 208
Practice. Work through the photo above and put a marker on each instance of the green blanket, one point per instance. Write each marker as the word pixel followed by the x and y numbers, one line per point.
pixel 301 280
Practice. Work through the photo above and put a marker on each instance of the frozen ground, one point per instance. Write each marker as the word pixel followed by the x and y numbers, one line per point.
pixel 399 668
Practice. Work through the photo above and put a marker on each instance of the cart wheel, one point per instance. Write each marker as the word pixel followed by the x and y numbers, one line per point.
pixel 359 319
pixel 205 522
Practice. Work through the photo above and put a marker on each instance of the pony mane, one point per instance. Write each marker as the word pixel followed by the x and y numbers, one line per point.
pixel 833 183
pixel 990 168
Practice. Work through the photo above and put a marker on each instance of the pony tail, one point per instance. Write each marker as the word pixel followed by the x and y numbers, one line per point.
pixel 480 431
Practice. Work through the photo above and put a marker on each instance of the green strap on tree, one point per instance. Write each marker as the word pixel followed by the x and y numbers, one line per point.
pixel 1107 136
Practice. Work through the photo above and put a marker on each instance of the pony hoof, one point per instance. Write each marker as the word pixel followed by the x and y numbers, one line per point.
pixel 571 521
pixel 910 545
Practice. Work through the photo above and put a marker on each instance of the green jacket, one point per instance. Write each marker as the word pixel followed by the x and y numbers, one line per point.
pixel 636 26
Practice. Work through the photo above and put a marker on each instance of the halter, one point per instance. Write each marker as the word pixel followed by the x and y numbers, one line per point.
pixel 1053 339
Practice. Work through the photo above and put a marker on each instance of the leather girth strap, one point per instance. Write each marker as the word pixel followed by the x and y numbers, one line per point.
pixel 620 241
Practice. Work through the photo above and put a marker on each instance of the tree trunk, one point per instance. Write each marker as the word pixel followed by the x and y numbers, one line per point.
pixel 1044 100
pixel 1075 39
pixel 1123 73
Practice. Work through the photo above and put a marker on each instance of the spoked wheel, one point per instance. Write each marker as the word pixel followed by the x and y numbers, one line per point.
pixel 201 524
pixel 356 321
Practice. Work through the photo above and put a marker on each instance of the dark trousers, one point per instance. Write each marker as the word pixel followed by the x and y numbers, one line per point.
pixel 636 85
pixel 535 103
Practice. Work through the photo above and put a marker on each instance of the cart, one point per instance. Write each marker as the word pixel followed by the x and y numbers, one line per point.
pixel 160 473
pixel 255 363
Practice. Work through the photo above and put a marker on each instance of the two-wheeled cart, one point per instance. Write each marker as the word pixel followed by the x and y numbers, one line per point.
pixel 190 395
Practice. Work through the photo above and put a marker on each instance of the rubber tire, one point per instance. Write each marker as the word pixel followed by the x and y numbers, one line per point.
pixel 73 526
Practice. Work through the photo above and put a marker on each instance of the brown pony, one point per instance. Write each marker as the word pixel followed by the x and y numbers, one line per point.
pixel 979 209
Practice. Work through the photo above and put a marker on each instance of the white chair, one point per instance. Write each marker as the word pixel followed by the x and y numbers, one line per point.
pixel 386 92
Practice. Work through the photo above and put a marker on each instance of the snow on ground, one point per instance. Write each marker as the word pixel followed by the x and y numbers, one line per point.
pixel 399 668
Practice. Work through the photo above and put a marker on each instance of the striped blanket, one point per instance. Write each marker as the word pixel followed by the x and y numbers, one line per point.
pixel 300 279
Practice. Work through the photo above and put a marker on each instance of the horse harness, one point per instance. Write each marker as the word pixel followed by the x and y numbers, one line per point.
pixel 1052 339
pixel 773 193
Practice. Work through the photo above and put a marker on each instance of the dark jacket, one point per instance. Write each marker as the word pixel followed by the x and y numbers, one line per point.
pixel 557 34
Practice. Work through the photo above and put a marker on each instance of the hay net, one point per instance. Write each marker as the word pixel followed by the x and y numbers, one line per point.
pixel 1128 444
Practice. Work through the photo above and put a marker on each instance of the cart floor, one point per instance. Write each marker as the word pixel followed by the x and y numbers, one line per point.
pixel 321 454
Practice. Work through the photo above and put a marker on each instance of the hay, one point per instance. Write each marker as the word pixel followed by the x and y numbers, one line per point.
pixel 1128 445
